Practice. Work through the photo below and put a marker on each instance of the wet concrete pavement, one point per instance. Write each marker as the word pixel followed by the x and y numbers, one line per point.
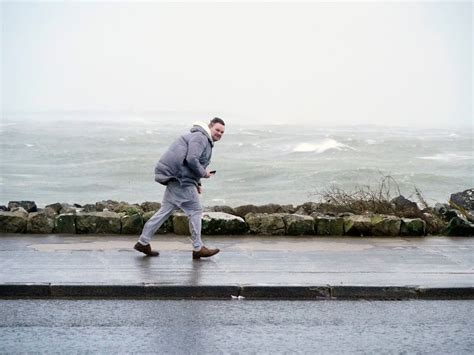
pixel 250 266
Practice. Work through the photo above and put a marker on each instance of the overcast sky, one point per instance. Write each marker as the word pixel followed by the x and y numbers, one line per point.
pixel 330 63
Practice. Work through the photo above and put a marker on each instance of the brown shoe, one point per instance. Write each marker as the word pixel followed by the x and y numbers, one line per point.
pixel 146 249
pixel 204 253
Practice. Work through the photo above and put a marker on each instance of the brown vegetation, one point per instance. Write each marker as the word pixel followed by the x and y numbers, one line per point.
pixel 380 199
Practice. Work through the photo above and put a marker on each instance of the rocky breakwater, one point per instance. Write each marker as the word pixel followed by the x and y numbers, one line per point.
pixel 459 213
pixel 112 217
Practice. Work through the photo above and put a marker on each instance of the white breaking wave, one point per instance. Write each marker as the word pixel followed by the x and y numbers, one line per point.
pixel 219 201
pixel 326 144
pixel 447 157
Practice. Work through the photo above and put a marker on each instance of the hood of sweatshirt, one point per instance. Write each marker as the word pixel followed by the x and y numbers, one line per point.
pixel 203 127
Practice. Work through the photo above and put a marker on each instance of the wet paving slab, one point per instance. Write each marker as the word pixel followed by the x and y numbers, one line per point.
pixel 244 261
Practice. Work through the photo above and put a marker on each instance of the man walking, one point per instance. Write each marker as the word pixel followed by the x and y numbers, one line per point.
pixel 181 169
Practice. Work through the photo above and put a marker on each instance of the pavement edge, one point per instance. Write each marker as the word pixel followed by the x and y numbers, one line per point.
pixel 252 292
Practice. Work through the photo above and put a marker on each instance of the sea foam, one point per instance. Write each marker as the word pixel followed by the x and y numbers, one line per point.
pixel 447 157
pixel 324 145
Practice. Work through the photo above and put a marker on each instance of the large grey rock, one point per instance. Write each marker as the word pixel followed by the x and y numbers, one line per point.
pixel 67 208
pixel 150 206
pixel 385 225
pixel 212 223
pixel 180 223
pixel 225 209
pixel 98 222
pixel 108 205
pixel 264 223
pixel 222 223
pixel 29 206
pixel 55 206
pixel 446 212
pixel 328 225
pixel 13 221
pixel 132 224
pixel 307 208
pixel 288 209
pixel 41 222
pixel 100 206
pixel 413 227
pixel 459 227
pixel 464 199
pixel 89 208
pixel 270 208
pixel 127 208
pixel 298 225
pixel 241 211
pixel 358 225
pixel 403 203
pixel 65 223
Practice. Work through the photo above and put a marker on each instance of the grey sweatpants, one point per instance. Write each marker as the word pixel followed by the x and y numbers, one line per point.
pixel 176 196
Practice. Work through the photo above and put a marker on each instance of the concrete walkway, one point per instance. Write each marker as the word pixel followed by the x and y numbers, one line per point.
pixel 248 266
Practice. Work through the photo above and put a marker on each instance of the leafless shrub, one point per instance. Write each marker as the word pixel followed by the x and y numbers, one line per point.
pixel 362 199
pixel 421 198
pixel 377 199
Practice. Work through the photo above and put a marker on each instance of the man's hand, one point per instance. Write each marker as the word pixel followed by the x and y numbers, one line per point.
pixel 199 189
pixel 209 173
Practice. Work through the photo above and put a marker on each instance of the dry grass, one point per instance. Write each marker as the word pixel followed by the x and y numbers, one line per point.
pixel 362 199
pixel 369 199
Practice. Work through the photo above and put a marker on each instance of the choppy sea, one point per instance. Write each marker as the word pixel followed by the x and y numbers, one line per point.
pixel 84 158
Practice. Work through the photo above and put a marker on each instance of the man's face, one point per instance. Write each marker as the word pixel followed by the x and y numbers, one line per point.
pixel 217 130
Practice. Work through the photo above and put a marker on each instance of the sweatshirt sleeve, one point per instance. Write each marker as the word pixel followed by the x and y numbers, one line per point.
pixel 196 147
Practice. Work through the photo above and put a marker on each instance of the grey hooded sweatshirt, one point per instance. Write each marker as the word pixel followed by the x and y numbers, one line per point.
pixel 187 158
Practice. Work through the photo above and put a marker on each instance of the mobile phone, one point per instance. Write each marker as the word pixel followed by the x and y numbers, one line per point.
pixel 212 172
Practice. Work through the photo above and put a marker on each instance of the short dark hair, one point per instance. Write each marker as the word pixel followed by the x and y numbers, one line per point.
pixel 216 120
